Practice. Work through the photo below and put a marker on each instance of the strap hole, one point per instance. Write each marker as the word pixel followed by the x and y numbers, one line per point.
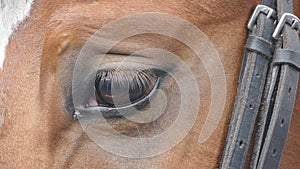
pixel 282 122
pixel 274 152
pixel 250 106
pixel 241 143
pixel 290 89
pixel 257 75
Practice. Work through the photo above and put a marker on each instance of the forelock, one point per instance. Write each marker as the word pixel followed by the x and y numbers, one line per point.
pixel 12 13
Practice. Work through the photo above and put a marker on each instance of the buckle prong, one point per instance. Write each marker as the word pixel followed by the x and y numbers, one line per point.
pixel 270 14
pixel 287 18
pixel 294 24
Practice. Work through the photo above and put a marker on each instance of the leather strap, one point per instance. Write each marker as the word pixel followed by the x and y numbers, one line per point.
pixel 250 90
pixel 260 45
pixel 286 56
pixel 286 60
pixel 268 90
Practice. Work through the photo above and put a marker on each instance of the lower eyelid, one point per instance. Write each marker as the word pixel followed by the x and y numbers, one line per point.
pixel 113 112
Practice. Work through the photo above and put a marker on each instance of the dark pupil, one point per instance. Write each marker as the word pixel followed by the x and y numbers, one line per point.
pixel 122 87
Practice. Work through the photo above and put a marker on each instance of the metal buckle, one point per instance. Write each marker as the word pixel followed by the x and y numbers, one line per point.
pixel 260 9
pixel 291 19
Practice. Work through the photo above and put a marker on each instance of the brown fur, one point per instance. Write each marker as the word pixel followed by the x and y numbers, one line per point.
pixel 38 133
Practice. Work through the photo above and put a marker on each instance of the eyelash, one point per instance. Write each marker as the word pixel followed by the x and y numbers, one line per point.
pixel 137 84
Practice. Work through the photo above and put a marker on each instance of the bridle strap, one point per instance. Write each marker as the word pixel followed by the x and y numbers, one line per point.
pixel 267 88
pixel 252 79
pixel 285 70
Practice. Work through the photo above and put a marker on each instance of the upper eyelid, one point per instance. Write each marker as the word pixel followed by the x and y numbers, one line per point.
pixel 137 65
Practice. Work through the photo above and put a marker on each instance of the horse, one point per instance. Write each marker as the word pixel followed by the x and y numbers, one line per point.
pixel 38 129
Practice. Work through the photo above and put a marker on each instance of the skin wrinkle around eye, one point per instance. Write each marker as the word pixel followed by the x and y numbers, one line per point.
pixel 126 129
pixel 73 60
pixel 135 39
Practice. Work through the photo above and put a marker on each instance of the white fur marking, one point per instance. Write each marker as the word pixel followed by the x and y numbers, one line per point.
pixel 12 13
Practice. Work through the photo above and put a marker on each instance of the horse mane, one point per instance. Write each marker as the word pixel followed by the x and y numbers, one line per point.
pixel 12 13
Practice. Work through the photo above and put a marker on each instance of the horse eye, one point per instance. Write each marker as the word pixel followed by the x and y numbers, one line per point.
pixel 122 87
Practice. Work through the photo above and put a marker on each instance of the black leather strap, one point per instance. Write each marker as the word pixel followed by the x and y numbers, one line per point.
pixel 287 62
pixel 287 56
pixel 265 89
pixel 250 90
pixel 260 45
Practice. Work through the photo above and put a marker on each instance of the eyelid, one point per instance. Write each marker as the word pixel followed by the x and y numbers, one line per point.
pixel 126 65
pixel 130 64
